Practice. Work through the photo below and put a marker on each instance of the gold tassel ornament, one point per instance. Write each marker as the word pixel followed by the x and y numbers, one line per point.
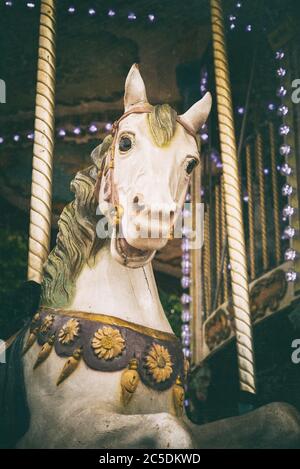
pixel 178 396
pixel 70 365
pixel 33 332
pixel 44 352
pixel 129 381
pixel 30 340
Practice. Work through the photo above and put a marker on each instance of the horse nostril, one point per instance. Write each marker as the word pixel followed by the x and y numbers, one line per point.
pixel 136 200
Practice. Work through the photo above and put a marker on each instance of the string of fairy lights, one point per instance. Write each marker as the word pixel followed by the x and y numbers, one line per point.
pixel 72 131
pixel 91 11
pixel 62 132
pixel 186 298
pixel 285 151
pixel 69 131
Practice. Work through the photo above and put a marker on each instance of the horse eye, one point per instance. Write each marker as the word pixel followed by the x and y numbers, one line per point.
pixel 191 165
pixel 125 144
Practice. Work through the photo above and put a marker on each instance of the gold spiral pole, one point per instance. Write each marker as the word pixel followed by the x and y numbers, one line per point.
pixel 223 238
pixel 262 200
pixel 234 216
pixel 207 263
pixel 204 285
pixel 195 287
pixel 250 212
pixel 217 227
pixel 275 193
pixel 41 186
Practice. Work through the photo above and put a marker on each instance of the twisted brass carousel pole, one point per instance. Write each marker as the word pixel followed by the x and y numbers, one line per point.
pixel 41 186
pixel 207 263
pixel 250 212
pixel 262 200
pixel 218 241
pixel 275 193
pixel 234 216
pixel 195 288
pixel 223 238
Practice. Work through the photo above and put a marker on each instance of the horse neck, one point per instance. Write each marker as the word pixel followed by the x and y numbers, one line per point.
pixel 110 288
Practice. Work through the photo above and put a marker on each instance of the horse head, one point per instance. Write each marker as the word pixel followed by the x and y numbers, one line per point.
pixel 145 169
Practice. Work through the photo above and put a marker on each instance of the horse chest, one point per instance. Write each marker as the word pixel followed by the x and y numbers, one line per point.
pixel 91 398
pixel 79 365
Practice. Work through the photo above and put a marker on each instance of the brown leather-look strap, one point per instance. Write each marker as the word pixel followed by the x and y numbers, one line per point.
pixel 145 108
pixel 99 179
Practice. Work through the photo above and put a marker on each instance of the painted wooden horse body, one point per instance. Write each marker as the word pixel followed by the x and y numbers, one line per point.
pixel 145 165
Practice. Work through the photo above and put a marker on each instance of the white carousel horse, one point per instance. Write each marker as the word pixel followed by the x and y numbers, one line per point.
pixel 103 293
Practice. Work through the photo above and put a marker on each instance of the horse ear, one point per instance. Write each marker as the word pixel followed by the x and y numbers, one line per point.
pixel 135 91
pixel 197 115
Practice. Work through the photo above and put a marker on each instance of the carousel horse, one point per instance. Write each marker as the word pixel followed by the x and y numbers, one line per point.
pixel 102 367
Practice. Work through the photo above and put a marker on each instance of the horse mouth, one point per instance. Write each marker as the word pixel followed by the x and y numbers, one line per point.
pixel 128 255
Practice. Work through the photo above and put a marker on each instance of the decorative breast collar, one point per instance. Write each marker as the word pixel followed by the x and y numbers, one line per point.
pixel 107 343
